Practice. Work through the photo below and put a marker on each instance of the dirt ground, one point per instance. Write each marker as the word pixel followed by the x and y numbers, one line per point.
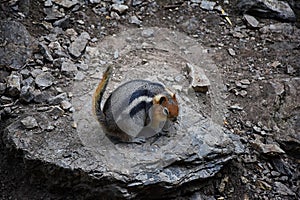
pixel 262 58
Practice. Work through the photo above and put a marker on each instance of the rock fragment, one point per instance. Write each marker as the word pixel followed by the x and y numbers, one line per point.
pixel 278 87
pixel 197 78
pixel 44 49
pixel 231 52
pixel 44 80
pixel 65 105
pixel 2 88
pixel 207 5
pixel 190 25
pixel 245 82
pixel 135 20
pixel 27 93
pixel 120 8
pixel 251 21
pixel 147 33
pixel 29 122
pixel 41 96
pixel 68 67
pixel 78 45
pixel 66 3
pixel 267 149
pixel 236 107
pixel 52 13
pixel 79 76
pixel 14 84
pixel 275 64
pixel 34 73
pixel 58 99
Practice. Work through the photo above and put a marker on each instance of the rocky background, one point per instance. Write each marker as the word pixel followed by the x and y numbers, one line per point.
pixel 255 45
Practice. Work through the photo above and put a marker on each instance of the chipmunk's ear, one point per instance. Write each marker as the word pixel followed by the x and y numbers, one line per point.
pixel 159 99
pixel 174 96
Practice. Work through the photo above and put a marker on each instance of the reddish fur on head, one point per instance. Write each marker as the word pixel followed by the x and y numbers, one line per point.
pixel 168 101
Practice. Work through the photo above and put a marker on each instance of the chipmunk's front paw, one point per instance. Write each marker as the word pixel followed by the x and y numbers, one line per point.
pixel 138 140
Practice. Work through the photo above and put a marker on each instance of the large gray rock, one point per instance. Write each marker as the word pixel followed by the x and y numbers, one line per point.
pixel 16 44
pixel 85 160
pixel 268 9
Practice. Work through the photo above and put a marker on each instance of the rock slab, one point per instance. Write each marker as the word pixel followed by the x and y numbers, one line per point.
pixel 194 150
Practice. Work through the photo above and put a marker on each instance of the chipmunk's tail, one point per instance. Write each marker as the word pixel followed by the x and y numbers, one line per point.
pixel 98 94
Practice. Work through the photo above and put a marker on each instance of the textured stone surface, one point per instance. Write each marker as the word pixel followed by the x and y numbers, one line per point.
pixel 195 148
pixel 16 44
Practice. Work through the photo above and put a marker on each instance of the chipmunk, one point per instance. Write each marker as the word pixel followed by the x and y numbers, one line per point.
pixel 132 107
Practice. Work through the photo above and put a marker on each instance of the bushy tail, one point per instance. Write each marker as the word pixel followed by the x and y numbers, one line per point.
pixel 98 94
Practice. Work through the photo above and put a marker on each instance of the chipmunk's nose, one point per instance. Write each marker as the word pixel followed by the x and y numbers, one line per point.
pixel 174 119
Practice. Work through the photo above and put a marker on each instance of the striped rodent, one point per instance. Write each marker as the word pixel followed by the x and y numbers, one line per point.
pixel 133 106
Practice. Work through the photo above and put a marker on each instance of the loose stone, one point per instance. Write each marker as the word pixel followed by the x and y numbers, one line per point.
pixel 207 5
pixel 44 80
pixel 147 33
pixel 65 105
pixel 119 8
pixel 29 122
pixel 57 99
pixel 252 21
pixel 14 84
pixel 135 20
pixel 231 52
pixel 77 47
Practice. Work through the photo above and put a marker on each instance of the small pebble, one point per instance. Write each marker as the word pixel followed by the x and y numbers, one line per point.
pixel 65 105
pixel 231 52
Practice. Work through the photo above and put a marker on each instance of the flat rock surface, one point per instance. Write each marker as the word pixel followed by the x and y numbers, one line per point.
pixel 198 140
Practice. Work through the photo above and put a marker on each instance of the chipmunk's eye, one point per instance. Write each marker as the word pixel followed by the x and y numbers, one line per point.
pixel 166 111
